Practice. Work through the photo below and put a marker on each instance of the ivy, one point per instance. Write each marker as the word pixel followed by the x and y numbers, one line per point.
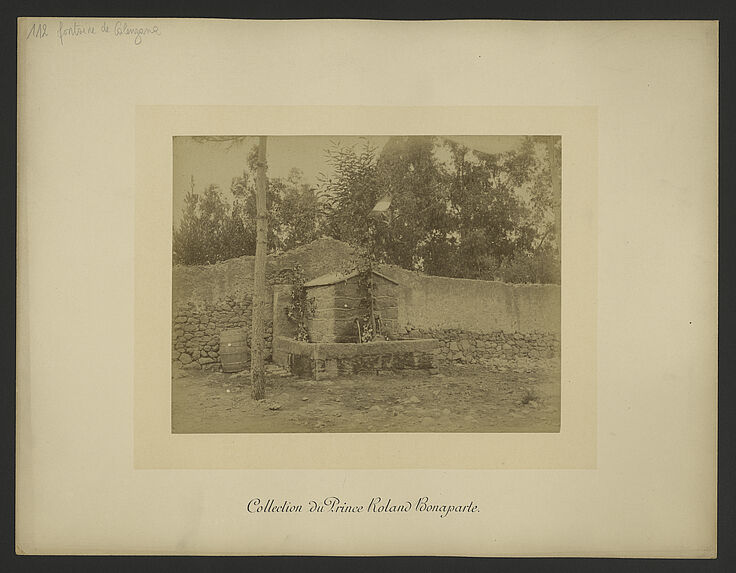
pixel 367 286
pixel 301 307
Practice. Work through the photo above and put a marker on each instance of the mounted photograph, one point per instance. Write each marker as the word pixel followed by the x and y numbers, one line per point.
pixel 353 284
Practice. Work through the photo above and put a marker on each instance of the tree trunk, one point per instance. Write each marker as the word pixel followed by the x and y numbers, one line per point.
pixel 258 338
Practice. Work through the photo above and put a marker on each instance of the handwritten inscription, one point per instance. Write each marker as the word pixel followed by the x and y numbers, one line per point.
pixel 38 30
pixel 136 32
pixel 70 31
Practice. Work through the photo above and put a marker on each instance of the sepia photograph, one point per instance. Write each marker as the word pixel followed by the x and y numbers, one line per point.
pixel 366 284
pixel 330 264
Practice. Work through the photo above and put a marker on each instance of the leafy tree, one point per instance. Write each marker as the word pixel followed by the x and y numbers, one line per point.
pixel 351 193
pixel 419 220
pixel 206 233
pixel 536 257
pixel 454 211
pixel 407 171
pixel 471 214
pixel 539 261
pixel 294 210
pixel 539 266
pixel 487 213
pixel 545 199
pixel 299 219
pixel 212 228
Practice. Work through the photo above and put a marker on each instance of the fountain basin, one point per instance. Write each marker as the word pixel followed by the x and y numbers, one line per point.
pixel 320 360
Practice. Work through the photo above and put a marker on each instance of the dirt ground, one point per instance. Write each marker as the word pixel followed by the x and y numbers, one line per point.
pixel 458 399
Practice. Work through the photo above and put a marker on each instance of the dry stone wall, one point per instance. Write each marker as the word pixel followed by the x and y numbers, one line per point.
pixel 197 328
pixel 499 350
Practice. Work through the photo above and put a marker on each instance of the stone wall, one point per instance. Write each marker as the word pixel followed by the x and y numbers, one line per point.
pixel 492 323
pixel 499 350
pixel 209 283
pixel 197 328
pixel 207 299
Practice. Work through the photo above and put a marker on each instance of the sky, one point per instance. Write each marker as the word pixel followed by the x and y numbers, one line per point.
pixel 218 163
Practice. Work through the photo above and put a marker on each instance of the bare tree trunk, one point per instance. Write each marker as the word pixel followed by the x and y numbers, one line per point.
pixel 258 341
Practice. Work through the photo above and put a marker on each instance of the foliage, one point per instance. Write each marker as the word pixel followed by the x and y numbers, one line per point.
pixel 366 332
pixel 300 307
pixel 363 264
pixel 294 211
pixel 419 219
pixel 213 228
pixel 298 220
pixel 454 212
pixel 351 194
pixel 210 230
pixel 367 288
pixel 488 217
pixel 541 266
